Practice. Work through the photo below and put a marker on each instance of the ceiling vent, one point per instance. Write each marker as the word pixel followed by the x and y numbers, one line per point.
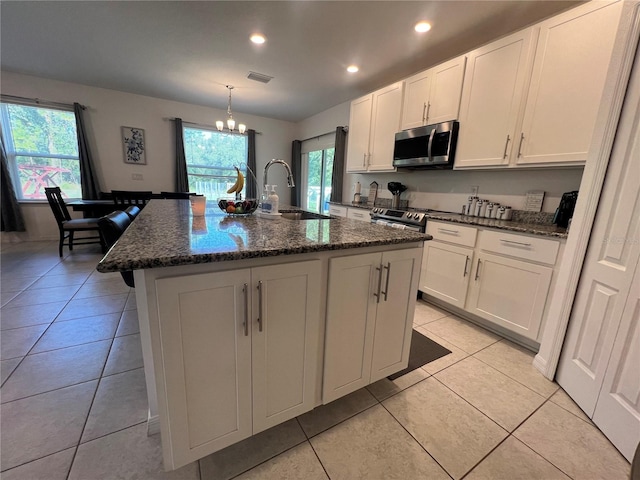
pixel 259 77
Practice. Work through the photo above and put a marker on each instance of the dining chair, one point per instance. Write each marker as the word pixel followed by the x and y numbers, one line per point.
pixel 132 211
pixel 69 226
pixel 125 198
pixel 176 195
pixel 112 227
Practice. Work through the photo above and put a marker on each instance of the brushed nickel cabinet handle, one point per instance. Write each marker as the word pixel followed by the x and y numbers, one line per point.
pixel 428 108
pixel 515 243
pixel 260 319
pixel 377 295
pixel 520 146
pixel 478 270
pixel 506 144
pixel 447 230
pixel 466 264
pixel 387 267
pixel 424 114
pixel 245 289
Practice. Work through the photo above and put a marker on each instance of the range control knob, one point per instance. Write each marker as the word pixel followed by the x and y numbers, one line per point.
pixel 409 215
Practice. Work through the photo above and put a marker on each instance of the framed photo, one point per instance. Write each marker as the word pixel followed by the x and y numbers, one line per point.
pixel 134 147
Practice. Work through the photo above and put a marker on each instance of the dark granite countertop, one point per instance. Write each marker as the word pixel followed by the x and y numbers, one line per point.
pixel 166 234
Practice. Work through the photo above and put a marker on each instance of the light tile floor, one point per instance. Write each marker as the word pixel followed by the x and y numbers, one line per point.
pixel 73 400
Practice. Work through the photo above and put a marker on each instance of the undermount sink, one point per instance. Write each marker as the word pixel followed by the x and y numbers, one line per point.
pixel 298 215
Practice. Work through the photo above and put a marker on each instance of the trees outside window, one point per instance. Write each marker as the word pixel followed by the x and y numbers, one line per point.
pixel 319 171
pixel 42 150
pixel 211 157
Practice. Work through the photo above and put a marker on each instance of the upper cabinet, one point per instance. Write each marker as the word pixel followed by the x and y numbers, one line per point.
pixel 433 96
pixel 373 123
pixel 530 101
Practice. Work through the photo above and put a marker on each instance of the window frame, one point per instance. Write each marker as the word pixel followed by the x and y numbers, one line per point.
pixel 13 154
pixel 321 143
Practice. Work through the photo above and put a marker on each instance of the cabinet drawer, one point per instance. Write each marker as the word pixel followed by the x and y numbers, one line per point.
pixel 359 214
pixel 529 248
pixel 337 211
pixel 452 233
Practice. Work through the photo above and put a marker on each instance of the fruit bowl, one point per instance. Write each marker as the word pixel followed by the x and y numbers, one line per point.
pixel 232 206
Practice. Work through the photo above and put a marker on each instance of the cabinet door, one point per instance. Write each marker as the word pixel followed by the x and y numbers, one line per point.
pixel 510 293
pixel 416 98
pixel 446 90
pixel 385 123
pixel 394 317
pixel 359 214
pixel 494 84
pixel 285 323
pixel 359 130
pixel 567 83
pixel 207 364
pixel 351 308
pixel 446 270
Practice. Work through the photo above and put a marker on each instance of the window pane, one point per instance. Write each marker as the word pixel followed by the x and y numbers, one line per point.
pixel 328 176
pixel 43 130
pixel 211 158
pixel 314 178
pixel 40 172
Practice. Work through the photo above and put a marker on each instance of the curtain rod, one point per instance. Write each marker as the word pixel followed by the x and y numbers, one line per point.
pixel 37 101
pixel 321 135
pixel 202 125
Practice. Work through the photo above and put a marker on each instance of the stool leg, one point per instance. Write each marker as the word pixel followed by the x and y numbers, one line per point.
pixel 71 240
pixel 61 242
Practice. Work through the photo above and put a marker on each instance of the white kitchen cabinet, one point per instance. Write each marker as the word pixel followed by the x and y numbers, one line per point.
pixel 361 214
pixel 246 358
pixel 433 96
pixel 531 99
pixel 510 293
pixel 337 210
pixel 494 83
pixel 373 122
pixel 567 83
pixel 370 306
pixel 446 271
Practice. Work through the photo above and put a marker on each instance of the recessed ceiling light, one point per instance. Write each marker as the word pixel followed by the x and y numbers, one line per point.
pixel 258 38
pixel 352 68
pixel 422 27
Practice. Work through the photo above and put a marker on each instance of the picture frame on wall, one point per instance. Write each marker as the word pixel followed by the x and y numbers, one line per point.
pixel 134 146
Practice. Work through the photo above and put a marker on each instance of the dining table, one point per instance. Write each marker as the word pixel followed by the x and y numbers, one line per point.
pixel 93 208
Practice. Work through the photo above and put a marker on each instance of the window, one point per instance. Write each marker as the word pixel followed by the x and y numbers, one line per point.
pixel 317 171
pixel 211 157
pixel 42 150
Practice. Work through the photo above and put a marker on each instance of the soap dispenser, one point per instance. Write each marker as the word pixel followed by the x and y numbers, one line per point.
pixel 265 204
pixel 273 200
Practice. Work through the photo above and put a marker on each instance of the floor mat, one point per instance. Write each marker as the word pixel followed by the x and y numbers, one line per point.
pixel 423 350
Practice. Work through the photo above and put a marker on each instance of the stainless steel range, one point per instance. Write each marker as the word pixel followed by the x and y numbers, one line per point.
pixel 399 219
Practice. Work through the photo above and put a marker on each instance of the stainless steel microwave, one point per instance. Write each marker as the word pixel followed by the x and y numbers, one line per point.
pixel 431 146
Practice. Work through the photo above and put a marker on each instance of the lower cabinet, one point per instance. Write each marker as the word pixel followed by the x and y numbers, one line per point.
pixel 510 293
pixel 359 214
pixel 446 271
pixel 370 306
pixel 240 354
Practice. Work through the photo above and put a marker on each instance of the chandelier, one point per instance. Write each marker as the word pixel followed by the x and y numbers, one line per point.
pixel 231 123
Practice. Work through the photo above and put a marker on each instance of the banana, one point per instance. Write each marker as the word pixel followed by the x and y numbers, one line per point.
pixel 239 185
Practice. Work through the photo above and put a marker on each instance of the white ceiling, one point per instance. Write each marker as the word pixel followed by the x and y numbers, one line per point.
pixel 187 51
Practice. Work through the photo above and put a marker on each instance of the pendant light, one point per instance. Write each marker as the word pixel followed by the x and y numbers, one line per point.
pixel 231 123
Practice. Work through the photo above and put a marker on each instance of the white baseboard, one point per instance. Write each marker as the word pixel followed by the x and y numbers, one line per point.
pixel 541 365
pixel 153 425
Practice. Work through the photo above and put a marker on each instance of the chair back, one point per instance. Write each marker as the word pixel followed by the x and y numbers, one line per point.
pixel 124 198
pixel 177 195
pixel 112 226
pixel 56 202
pixel 132 211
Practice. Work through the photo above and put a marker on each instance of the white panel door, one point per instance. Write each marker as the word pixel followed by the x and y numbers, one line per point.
pixel 359 132
pixel 599 355
pixel 207 364
pixel 445 272
pixel 446 90
pixel 351 308
pixel 510 293
pixel 394 316
pixel 385 123
pixel 492 93
pixel 570 69
pixel 285 323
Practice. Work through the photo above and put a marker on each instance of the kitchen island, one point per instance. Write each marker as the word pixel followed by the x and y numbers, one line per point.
pixel 248 322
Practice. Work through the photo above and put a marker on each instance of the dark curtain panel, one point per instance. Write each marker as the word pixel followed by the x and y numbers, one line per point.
pixel 182 179
pixel 338 165
pixel 88 178
pixel 12 220
pixel 251 190
pixel 296 169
